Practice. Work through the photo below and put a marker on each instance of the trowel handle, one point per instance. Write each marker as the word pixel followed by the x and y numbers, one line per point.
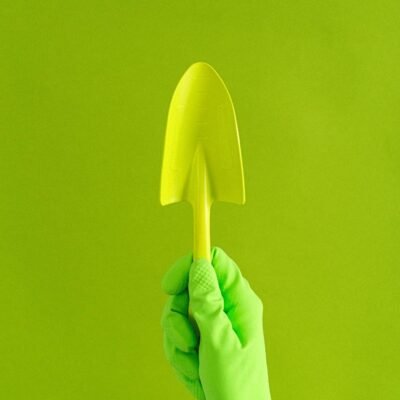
pixel 201 238
pixel 201 211
pixel 201 232
pixel 201 214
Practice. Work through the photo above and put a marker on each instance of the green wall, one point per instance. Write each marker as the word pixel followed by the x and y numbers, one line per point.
pixel 84 243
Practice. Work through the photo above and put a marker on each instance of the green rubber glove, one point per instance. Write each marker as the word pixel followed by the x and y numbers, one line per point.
pixel 221 356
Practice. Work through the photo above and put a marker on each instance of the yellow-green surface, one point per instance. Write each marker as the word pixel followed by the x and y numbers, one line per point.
pixel 85 88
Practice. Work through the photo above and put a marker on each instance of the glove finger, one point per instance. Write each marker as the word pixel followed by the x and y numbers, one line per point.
pixel 177 325
pixel 207 305
pixel 194 386
pixel 186 364
pixel 242 305
pixel 234 287
pixel 178 303
pixel 176 278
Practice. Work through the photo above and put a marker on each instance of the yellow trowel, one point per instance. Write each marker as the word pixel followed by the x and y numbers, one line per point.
pixel 202 159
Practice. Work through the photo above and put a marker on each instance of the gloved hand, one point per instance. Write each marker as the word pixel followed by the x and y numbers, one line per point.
pixel 222 355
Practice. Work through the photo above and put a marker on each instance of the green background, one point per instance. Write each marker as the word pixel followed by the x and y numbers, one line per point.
pixel 84 243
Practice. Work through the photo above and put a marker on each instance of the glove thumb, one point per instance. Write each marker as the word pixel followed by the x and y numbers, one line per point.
pixel 207 303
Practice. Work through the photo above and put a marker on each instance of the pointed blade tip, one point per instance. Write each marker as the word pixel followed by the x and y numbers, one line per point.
pixel 201 68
